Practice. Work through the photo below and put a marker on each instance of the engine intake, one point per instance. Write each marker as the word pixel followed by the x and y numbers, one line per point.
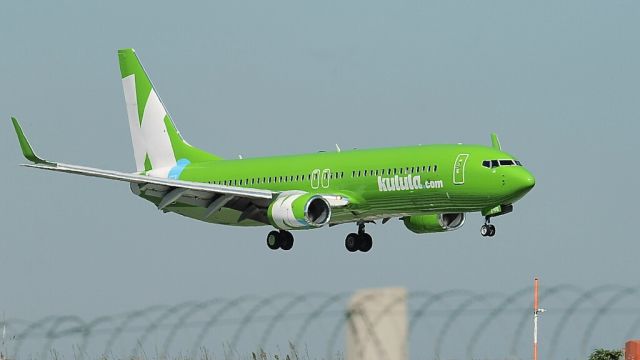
pixel 299 211
pixel 422 224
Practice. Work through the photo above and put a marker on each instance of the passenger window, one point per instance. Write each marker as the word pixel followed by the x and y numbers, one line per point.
pixel 435 168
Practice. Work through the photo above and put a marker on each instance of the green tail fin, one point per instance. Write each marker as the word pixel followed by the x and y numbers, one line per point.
pixel 157 144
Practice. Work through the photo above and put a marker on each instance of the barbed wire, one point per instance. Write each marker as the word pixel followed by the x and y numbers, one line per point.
pixel 266 315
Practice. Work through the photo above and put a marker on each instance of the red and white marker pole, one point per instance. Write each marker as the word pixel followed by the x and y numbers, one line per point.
pixel 536 312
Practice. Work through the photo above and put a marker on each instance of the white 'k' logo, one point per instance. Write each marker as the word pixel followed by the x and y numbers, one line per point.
pixel 150 138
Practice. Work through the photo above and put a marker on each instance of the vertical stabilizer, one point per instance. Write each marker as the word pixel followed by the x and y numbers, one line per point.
pixel 157 145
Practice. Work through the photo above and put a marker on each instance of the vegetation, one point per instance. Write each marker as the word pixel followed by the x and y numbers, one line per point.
pixel 604 354
pixel 292 353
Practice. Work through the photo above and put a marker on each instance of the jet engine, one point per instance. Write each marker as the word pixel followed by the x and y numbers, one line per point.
pixel 299 210
pixel 422 224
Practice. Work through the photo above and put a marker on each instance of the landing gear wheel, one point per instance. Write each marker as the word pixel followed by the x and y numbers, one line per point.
pixel 286 240
pixel 365 242
pixel 352 242
pixel 273 240
pixel 487 230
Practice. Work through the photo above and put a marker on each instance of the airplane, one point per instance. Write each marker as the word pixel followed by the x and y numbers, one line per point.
pixel 430 188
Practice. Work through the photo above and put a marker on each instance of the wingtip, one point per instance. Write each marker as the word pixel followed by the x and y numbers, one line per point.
pixel 25 146
pixel 495 141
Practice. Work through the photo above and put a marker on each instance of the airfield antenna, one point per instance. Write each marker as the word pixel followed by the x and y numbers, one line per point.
pixel 536 312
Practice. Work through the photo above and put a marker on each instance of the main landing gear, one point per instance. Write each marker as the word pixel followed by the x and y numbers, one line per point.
pixel 360 241
pixel 280 240
pixel 487 229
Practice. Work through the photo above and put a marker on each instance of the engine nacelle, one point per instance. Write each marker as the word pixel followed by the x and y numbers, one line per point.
pixel 299 211
pixel 422 224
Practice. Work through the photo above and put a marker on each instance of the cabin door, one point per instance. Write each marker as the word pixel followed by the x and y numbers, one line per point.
pixel 458 169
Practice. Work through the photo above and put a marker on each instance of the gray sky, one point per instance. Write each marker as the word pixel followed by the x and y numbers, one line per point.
pixel 559 81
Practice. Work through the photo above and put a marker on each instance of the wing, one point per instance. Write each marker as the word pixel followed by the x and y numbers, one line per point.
pixel 210 196
pixel 184 186
pixel 251 203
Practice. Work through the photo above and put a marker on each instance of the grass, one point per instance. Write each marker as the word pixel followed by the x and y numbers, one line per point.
pixel 292 353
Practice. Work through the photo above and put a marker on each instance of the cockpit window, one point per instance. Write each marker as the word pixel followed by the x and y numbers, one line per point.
pixel 504 162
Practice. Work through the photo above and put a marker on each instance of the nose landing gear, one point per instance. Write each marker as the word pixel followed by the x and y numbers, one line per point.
pixel 487 229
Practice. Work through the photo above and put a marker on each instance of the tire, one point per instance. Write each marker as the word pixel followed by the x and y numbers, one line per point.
pixel 351 242
pixel 286 240
pixel 365 242
pixel 485 230
pixel 274 240
pixel 492 230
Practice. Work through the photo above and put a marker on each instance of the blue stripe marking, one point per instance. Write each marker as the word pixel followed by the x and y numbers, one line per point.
pixel 175 171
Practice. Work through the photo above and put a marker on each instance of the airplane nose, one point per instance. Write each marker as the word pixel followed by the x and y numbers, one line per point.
pixel 525 181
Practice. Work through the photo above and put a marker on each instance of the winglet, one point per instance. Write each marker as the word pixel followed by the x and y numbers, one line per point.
pixel 495 142
pixel 27 150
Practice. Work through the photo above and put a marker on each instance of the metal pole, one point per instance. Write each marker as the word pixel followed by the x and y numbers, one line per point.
pixel 535 319
pixel 537 311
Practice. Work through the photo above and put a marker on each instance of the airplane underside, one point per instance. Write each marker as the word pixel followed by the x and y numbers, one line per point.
pixel 241 212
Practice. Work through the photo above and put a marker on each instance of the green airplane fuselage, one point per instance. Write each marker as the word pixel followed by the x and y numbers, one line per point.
pixel 379 183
